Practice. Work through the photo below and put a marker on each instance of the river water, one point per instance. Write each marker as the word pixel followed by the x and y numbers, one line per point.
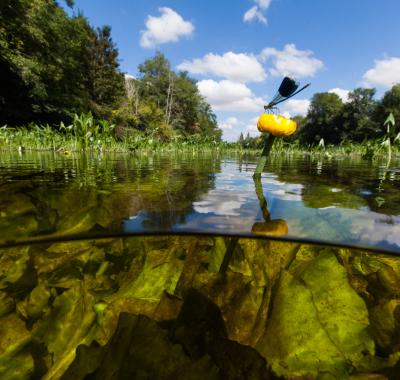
pixel 343 200
pixel 181 266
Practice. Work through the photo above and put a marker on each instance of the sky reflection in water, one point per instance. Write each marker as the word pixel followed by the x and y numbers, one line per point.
pixel 319 199
pixel 344 215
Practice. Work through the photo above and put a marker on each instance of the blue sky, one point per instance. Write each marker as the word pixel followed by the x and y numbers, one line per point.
pixel 239 50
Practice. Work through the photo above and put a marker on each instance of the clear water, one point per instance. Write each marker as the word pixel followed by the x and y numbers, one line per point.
pixel 197 307
pixel 87 301
pixel 328 200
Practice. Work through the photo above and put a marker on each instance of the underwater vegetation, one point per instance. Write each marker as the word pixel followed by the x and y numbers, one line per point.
pixel 165 307
pixel 186 306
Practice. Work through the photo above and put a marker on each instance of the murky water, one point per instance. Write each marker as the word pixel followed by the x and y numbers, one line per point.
pixel 339 200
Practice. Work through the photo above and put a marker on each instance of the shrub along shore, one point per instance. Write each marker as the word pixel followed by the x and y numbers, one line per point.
pixel 84 134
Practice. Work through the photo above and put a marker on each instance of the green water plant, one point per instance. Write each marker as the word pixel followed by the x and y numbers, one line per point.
pixel 391 135
pixel 155 308
pixel 390 138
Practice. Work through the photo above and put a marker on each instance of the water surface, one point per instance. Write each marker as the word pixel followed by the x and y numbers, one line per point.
pixel 330 200
pixel 87 301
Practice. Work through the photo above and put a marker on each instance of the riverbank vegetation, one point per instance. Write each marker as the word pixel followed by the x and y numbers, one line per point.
pixel 359 120
pixel 361 124
pixel 85 133
pixel 55 67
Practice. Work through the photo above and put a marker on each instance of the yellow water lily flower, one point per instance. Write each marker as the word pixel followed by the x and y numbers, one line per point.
pixel 276 125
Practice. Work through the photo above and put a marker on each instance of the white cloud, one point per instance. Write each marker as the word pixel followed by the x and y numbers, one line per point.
pixel 294 107
pixel 229 123
pixel 251 127
pixel 291 61
pixel 129 76
pixel 256 12
pixel 232 128
pixel 235 67
pixel 385 73
pixel 263 4
pixel 343 94
pixel 168 27
pixel 230 96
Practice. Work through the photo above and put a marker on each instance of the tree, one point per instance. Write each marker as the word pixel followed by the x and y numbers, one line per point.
pixel 323 120
pixel 41 51
pixel 358 115
pixel 177 95
pixel 390 103
pixel 105 81
pixel 52 65
pixel 154 75
pixel 208 121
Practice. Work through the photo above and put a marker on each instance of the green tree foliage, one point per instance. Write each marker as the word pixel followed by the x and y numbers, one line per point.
pixel 323 119
pixel 106 83
pixel 390 104
pixel 52 65
pixel 360 119
pixel 358 115
pixel 41 51
pixel 176 96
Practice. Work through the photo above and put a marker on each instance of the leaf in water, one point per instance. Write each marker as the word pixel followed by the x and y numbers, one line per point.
pixel 75 210
pixel 217 254
pixel 191 346
pixel 318 323
pixel 385 325
pixel 16 362
pixel 63 264
pixel 36 303
pixel 15 204
pixel 18 227
pixel 7 304
pixel 143 287
pixel 69 323
pixel 161 272
pixel 16 272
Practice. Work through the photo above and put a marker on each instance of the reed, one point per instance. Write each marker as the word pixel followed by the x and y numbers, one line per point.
pixel 85 133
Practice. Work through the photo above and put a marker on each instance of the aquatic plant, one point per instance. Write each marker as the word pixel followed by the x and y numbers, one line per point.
pixel 87 134
pixel 391 135
pixel 161 307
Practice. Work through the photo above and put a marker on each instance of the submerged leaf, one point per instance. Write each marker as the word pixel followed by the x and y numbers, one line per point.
pixel 68 324
pixel 16 362
pixel 318 323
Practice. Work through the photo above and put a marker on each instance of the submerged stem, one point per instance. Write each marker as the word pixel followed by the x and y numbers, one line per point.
pixel 264 155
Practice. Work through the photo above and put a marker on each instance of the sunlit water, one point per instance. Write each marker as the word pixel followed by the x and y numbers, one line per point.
pixel 338 200
pixel 190 306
